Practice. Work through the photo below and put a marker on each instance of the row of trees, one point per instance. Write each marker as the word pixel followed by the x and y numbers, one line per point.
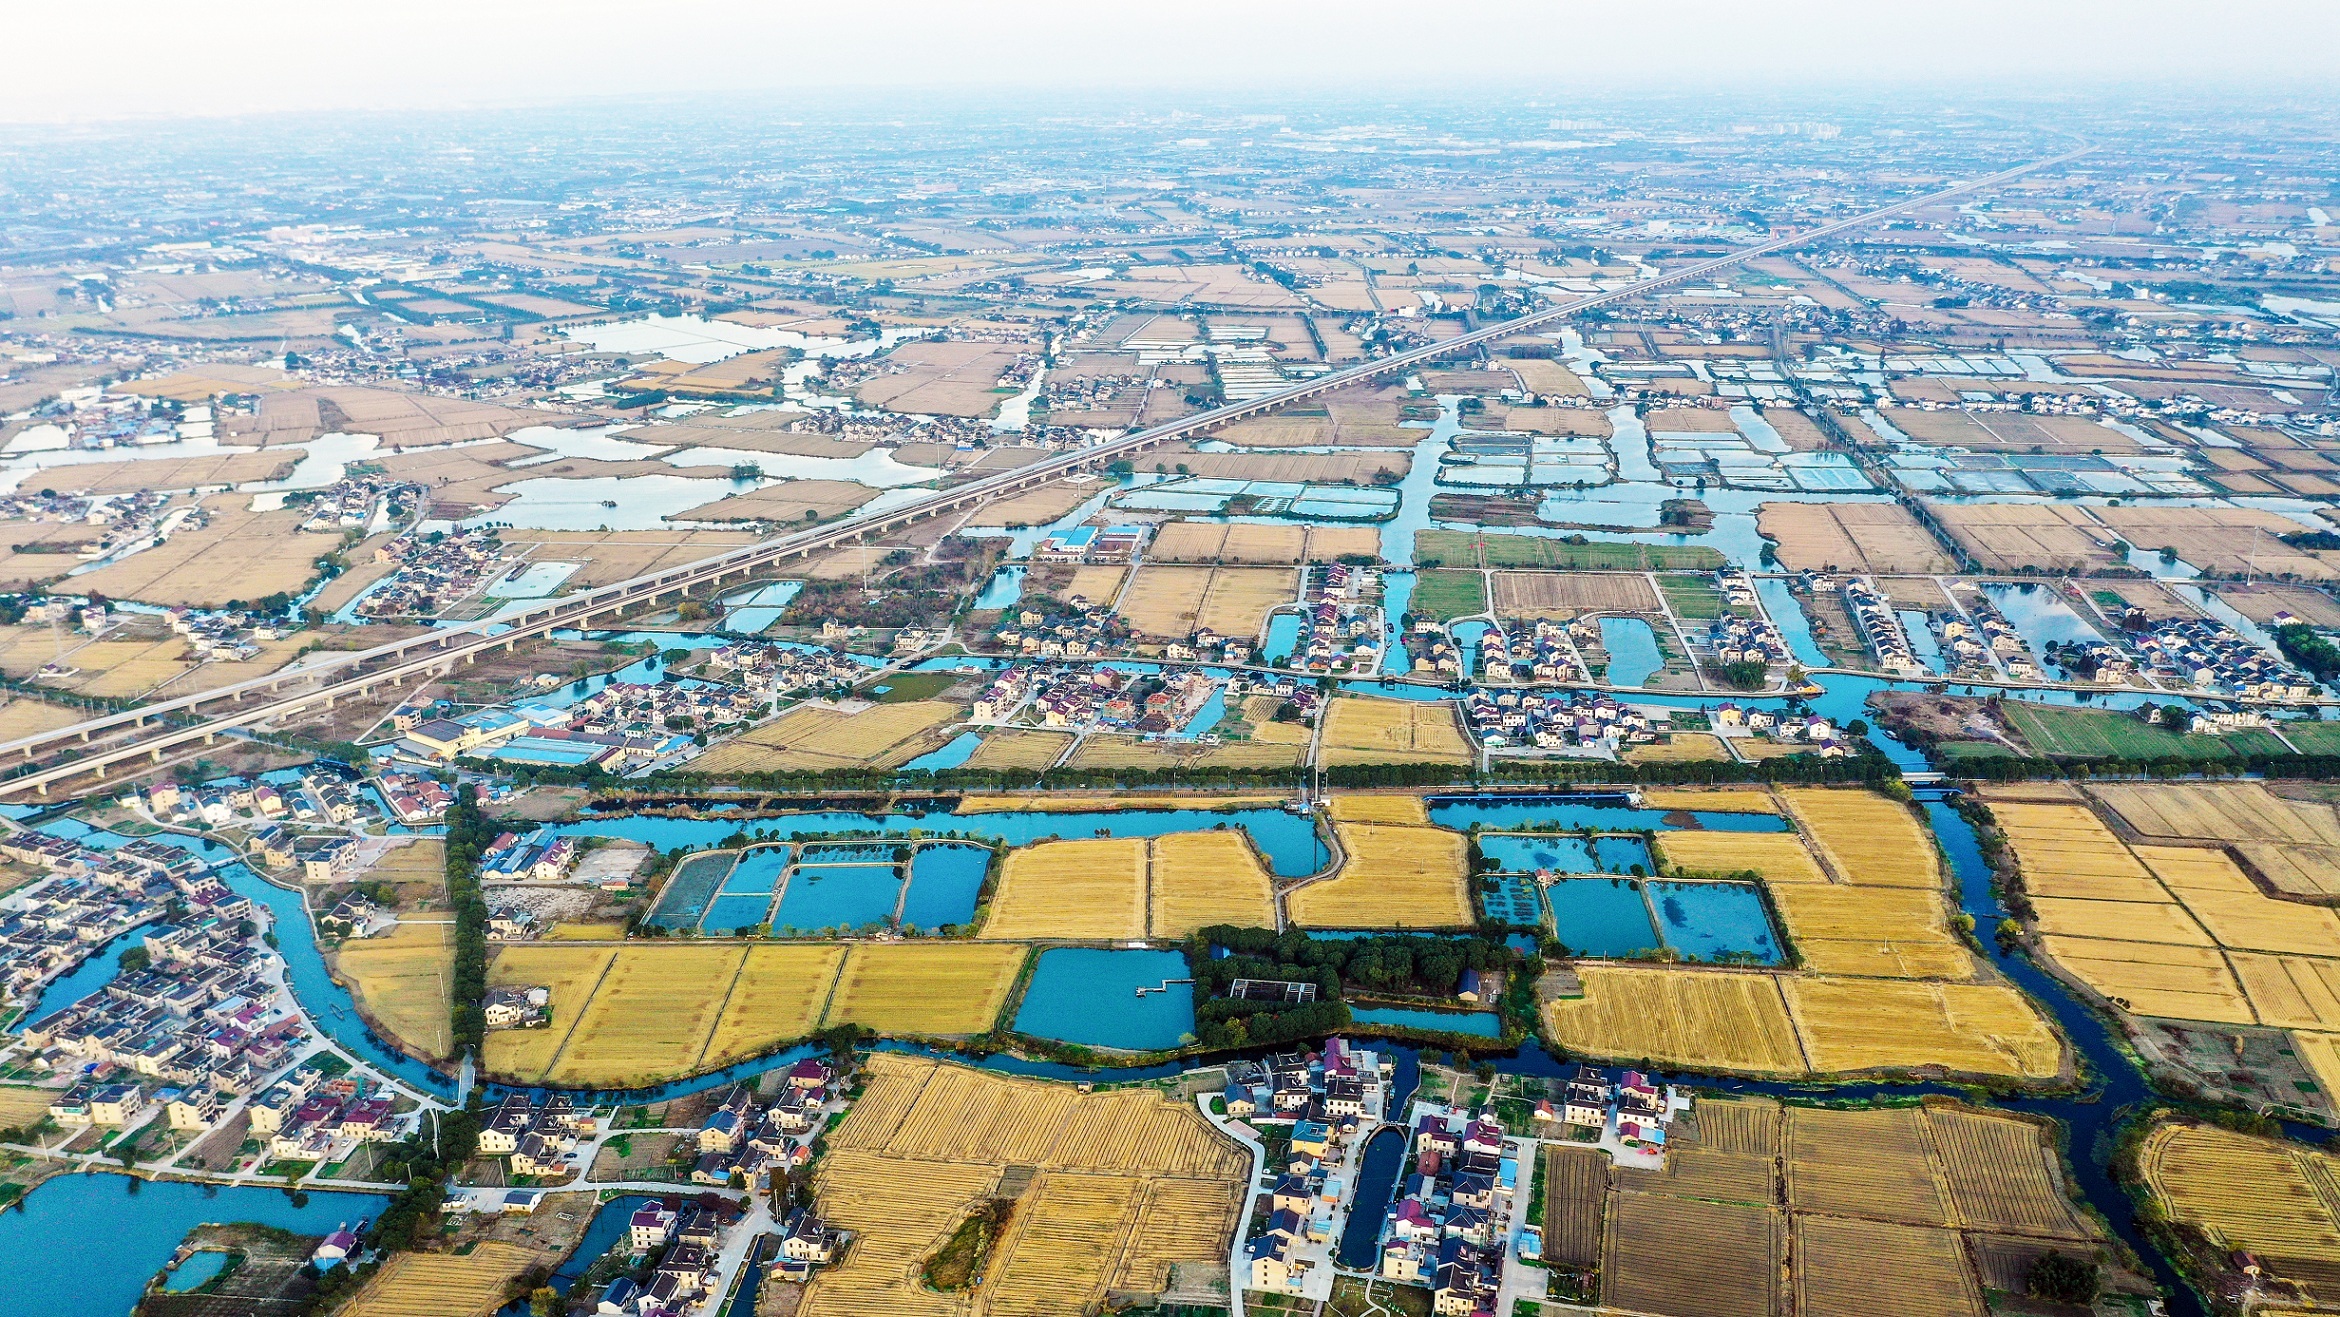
pixel 469 834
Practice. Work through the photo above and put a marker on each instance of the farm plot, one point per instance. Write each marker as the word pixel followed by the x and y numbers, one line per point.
pixel 1072 889
pixel 1099 751
pixel 2004 537
pixel 1454 548
pixel 2228 541
pixel 817 737
pixel 1237 600
pixel 2268 1196
pixel 1203 878
pixel 1710 1019
pixel 571 974
pixel 2225 811
pixel 1853 1025
pixel 1209 542
pixel 650 1018
pixel 1576 1191
pixel 1166 602
pixel 1062 1246
pixel 2180 983
pixel 1719 800
pixel 1394 876
pixel 401 981
pixel 1355 807
pixel 940 378
pixel 1020 749
pixel 1559 594
pixel 918 988
pixel 1369 731
pixel 1778 857
pixel 1890 932
pixel 777 998
pixel 1863 1163
pixel 1852 537
pixel 235 554
pixel 898 1221
pixel 1866 838
pixel 2082 733
pixel 443 1284
pixel 1688 1258
pixel 1857 1268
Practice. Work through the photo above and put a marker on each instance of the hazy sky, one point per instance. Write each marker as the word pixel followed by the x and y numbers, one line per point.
pixel 97 59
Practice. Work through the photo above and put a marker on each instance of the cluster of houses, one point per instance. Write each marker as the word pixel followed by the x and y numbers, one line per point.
pixel 1338 630
pixel 744 1139
pixel 306 1117
pixel 1539 651
pixel 775 670
pixel 435 569
pixel 1823 736
pixel 619 729
pixel 1629 1117
pixel 415 799
pixel 1449 1229
pixel 1208 646
pixel 1078 630
pixel 1580 720
pixel 115 520
pixel 1881 629
pixel 1990 637
pixel 1083 697
pixel 1326 1098
pixel 2209 655
pixel 90 897
pixel 540 857
pixel 628 707
pixel 1746 638
pixel 688 1239
pixel 534 1138
pixel 350 503
pixel 194 1028
pixel 317 796
pixel 228 633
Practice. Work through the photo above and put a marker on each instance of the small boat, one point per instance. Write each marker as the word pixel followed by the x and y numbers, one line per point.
pixel 609 502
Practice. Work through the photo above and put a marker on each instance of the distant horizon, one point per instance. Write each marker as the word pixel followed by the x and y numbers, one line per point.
pixel 143 61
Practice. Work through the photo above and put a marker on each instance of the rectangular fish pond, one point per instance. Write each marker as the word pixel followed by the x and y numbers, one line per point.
pixel 1528 852
pixel 1478 1024
pixel 945 879
pixel 838 896
pixel 688 890
pixel 1619 917
pixel 1134 1000
pixel 1600 814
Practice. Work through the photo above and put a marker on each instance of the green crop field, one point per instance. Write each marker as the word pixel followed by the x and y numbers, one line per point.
pixel 1456 548
pixel 1692 597
pixel 2313 738
pixel 1448 594
pixel 2053 730
pixel 903 687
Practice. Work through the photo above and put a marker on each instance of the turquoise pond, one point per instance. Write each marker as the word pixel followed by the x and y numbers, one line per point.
pixel 944 882
pixel 1601 917
pixel 1478 1024
pixel 758 871
pixel 52 1259
pixel 727 914
pixel 956 752
pixel 1513 853
pixel 1088 996
pixel 838 896
pixel 1715 921
pixel 687 892
pixel 1283 636
pixel 1633 650
pixel 198 1268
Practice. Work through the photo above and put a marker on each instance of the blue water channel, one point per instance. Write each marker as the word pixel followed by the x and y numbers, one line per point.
pixel 1385 1157
pixel 1571 812
pixel 1478 1024
pixel 1124 999
pixel 87 1244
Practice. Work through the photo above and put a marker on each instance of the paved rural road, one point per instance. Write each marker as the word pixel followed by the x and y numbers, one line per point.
pixel 446 646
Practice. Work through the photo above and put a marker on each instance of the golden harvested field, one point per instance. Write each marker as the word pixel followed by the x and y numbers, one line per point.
pixel 2219 540
pixel 2222 811
pixel 1860 1268
pixel 1205 878
pixel 1876 1024
pixel 777 998
pixel 1131 752
pixel 1020 748
pixel 2066 851
pixel 1128 1182
pixel 2321 1052
pixel 650 1018
pixel 1868 839
pixel 2184 869
pixel 571 973
pixel 20 1105
pixel 2254 922
pixel 401 978
pixel 442 1284
pixel 2122 921
pixel 927 988
pixel 1072 889
pixel 1894 932
pixel 1166 602
pixel 1368 731
pixel 238 554
pixel 2269 1196
pixel 812 737
pixel 27 717
pixel 2002 1173
pixel 1687 1257
pixel 2005 536
pixel 1719 800
pixel 1863 1163
pixel 1237 599
pixel 2179 983
pixel 1392 876
pixel 1357 808
pixel 1681 748
pixel 1780 857
pixel 1097 584
pixel 1852 537
pixel 2306 871
pixel 1565 594
pixel 2298 992
pixel 1714 1020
